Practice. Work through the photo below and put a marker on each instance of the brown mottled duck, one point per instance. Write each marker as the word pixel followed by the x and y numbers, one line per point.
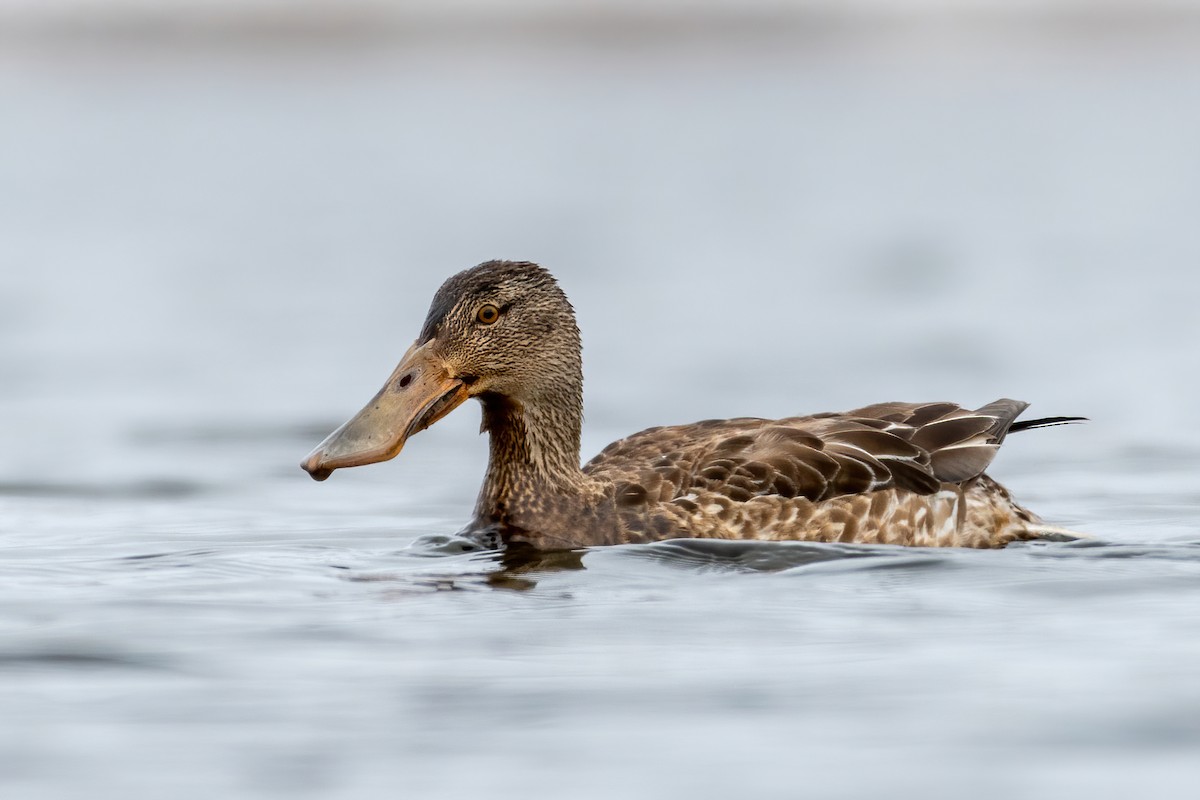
pixel 504 333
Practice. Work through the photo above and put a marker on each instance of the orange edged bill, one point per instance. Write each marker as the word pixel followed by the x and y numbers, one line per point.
pixel 420 392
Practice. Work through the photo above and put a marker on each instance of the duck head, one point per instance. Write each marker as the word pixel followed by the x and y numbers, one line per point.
pixel 502 332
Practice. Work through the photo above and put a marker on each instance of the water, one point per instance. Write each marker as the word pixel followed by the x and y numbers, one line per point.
pixel 209 260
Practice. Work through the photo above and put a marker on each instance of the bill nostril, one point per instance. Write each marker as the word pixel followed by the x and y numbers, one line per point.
pixel 406 380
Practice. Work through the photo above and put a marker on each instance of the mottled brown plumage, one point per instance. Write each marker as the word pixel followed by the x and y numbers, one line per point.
pixel 504 333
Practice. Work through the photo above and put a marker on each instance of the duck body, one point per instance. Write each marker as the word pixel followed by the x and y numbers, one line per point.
pixel 503 333
pixel 892 473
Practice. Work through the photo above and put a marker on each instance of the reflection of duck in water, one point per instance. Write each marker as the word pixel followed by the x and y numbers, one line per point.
pixel 504 332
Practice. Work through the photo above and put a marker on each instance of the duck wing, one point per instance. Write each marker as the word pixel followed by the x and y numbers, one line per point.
pixel 913 446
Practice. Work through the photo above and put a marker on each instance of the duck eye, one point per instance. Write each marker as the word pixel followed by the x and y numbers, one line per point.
pixel 488 314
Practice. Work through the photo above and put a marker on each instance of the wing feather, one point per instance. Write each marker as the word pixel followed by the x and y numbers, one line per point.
pixel 918 447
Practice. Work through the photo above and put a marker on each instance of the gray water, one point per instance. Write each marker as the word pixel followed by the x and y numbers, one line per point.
pixel 210 259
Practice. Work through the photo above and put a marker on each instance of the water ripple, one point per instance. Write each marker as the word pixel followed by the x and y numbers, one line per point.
pixel 749 556
pixel 133 490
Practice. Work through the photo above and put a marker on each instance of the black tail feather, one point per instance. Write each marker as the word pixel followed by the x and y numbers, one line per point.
pixel 1044 422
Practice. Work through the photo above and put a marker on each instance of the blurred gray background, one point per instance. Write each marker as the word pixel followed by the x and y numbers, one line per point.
pixel 221 224
pixel 235 213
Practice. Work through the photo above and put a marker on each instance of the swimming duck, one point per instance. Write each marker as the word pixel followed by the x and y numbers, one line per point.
pixel 504 333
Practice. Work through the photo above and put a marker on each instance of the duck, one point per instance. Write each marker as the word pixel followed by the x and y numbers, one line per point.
pixel 505 334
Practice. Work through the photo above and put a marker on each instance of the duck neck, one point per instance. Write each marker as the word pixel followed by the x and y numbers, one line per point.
pixel 534 452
